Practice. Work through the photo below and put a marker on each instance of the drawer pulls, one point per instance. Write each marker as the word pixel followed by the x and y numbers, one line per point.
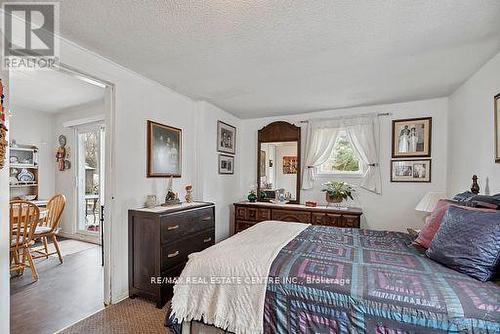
pixel 207 240
pixel 207 219
pixel 173 254
pixel 170 228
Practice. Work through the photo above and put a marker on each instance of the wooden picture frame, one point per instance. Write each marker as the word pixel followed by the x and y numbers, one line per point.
pixel 164 150
pixel 226 138
pixel 412 137
pixel 289 165
pixel 496 109
pixel 412 172
pixel 226 164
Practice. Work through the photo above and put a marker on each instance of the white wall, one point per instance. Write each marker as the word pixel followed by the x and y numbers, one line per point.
pixel 286 181
pixel 31 127
pixel 471 142
pixel 222 190
pixel 138 99
pixel 65 180
pixel 394 209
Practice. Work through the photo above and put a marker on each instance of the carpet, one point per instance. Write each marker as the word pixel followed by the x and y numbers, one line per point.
pixel 129 316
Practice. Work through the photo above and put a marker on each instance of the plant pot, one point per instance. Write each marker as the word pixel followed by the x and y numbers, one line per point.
pixel 332 199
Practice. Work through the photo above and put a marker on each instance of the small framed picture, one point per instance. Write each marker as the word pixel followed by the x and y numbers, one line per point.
pixel 411 170
pixel 164 150
pixel 497 128
pixel 289 165
pixel 411 138
pixel 226 138
pixel 226 164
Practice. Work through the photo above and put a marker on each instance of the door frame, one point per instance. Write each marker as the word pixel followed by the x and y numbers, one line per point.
pixel 99 127
pixel 109 161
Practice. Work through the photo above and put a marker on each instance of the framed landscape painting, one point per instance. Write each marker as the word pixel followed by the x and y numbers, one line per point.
pixel 411 170
pixel 497 128
pixel 226 138
pixel 411 138
pixel 164 150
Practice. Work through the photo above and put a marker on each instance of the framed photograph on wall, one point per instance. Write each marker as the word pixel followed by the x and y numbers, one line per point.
pixel 226 164
pixel 289 165
pixel 164 150
pixel 497 128
pixel 226 138
pixel 411 170
pixel 412 138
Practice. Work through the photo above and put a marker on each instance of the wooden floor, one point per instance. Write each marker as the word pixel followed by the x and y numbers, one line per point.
pixel 64 294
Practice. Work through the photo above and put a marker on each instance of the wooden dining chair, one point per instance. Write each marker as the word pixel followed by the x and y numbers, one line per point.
pixel 50 226
pixel 24 217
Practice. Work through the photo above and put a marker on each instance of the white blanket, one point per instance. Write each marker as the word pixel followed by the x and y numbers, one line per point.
pixel 216 284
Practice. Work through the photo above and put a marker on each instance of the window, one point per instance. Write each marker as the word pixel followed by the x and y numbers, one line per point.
pixel 343 160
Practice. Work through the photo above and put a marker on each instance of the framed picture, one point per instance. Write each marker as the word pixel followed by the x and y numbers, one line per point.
pixel 226 138
pixel 497 128
pixel 289 165
pixel 411 138
pixel 164 150
pixel 226 164
pixel 411 170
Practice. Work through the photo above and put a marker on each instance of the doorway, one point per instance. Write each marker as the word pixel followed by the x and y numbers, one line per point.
pixel 91 176
pixel 40 126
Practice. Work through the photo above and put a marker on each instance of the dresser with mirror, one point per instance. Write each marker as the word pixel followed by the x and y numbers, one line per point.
pixel 278 185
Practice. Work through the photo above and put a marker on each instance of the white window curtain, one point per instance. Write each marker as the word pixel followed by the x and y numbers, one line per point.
pixel 320 141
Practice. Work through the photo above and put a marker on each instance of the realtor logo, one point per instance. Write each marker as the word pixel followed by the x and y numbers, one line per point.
pixel 30 31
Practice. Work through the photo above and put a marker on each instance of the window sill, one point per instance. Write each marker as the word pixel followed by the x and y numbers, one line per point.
pixel 340 175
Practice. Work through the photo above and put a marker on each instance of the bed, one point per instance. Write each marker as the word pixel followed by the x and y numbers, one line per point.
pixel 328 280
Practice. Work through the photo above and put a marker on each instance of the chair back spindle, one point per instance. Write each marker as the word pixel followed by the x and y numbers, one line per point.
pixel 24 218
pixel 55 208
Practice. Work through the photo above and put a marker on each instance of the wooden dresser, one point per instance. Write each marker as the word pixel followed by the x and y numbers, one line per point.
pixel 160 240
pixel 247 214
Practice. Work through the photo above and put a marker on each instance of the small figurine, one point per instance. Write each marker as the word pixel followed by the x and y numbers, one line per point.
pixel 189 193
pixel 171 198
pixel 61 153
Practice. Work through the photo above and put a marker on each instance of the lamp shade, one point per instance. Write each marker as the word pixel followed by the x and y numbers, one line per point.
pixel 429 201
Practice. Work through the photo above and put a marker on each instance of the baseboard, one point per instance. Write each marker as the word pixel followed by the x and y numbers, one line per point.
pixel 79 237
pixel 121 297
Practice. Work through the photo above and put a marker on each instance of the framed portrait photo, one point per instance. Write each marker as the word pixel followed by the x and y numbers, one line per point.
pixel 412 138
pixel 226 164
pixel 497 128
pixel 164 150
pixel 226 138
pixel 411 170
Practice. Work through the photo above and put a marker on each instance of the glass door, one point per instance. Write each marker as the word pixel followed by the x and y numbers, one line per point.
pixel 90 179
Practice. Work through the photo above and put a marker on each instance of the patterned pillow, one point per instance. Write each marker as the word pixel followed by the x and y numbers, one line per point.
pixel 432 224
pixel 468 241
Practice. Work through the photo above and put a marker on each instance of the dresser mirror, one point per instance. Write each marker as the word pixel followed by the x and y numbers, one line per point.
pixel 278 163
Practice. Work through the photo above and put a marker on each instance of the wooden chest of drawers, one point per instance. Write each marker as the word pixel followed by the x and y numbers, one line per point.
pixel 160 240
pixel 248 214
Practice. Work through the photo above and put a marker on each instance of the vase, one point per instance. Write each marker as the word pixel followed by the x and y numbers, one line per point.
pixel 333 200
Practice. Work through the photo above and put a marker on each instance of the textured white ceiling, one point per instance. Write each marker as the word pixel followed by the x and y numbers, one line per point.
pixel 50 91
pixel 262 57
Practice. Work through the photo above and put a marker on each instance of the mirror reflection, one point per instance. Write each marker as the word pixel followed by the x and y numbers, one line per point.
pixel 278 171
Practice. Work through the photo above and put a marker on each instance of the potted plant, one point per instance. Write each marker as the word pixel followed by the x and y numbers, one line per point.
pixel 337 191
pixel 252 196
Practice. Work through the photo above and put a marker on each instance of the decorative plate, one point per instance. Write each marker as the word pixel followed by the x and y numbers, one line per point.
pixel 25 176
